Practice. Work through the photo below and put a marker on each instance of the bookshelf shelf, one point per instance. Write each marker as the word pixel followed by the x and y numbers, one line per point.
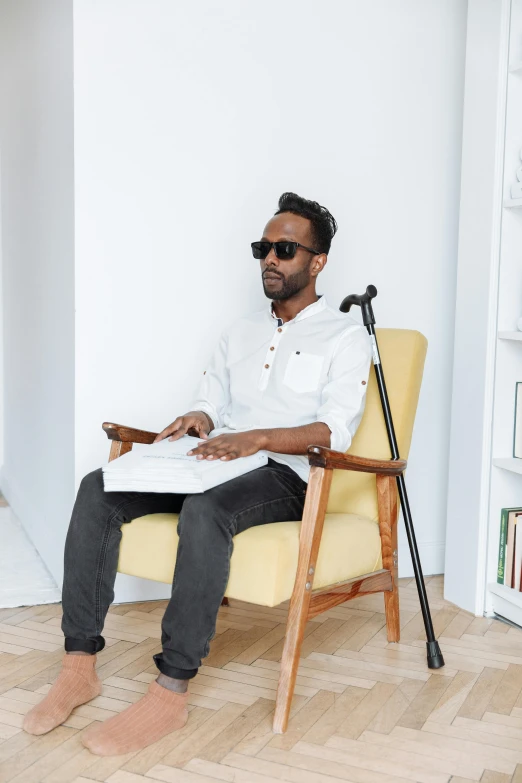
pixel 510 203
pixel 516 67
pixel 510 336
pixel 509 463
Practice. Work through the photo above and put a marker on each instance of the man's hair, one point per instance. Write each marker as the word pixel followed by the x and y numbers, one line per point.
pixel 323 223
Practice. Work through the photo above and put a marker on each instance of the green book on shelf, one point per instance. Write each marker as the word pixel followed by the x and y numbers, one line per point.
pixel 504 516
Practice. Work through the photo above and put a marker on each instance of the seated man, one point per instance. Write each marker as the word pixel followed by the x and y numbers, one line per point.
pixel 288 376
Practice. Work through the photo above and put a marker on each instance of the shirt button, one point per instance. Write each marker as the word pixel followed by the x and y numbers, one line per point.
pixel 363 383
pixel 279 330
pixel 271 347
pixel 267 366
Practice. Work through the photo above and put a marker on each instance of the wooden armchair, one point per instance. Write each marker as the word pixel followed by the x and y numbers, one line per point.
pixel 346 542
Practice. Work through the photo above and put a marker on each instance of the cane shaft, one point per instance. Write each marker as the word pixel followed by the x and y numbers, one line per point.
pixel 403 495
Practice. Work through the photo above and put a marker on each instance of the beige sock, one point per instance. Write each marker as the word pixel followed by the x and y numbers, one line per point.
pixel 76 684
pixel 158 713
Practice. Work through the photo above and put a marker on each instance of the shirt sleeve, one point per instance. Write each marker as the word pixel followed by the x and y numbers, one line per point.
pixel 213 394
pixel 344 395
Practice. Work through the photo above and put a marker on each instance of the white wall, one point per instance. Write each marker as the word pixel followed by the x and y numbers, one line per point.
pixel 190 120
pixel 1 331
pixel 37 198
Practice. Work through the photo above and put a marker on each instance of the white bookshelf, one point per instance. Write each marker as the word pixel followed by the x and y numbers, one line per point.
pixel 505 475
pixel 483 476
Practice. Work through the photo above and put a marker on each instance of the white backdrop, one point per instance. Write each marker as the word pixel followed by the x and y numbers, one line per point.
pixel 190 119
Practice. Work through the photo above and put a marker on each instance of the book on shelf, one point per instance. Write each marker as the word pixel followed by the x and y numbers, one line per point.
pixel 517 430
pixel 509 571
pixel 516 576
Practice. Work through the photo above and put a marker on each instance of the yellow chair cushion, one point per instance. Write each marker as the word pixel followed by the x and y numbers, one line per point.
pixel 264 561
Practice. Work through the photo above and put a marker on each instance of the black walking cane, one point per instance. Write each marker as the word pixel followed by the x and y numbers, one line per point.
pixel 364 301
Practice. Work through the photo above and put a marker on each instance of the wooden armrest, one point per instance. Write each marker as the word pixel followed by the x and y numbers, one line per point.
pixel 127 434
pixel 323 457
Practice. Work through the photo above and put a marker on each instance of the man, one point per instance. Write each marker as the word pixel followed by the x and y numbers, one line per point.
pixel 290 375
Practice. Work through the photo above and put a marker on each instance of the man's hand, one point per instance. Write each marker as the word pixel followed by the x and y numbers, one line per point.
pixel 195 423
pixel 230 446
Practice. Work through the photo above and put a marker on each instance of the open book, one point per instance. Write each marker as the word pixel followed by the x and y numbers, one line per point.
pixel 166 467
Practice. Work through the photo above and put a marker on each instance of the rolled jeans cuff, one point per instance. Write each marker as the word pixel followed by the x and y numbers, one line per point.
pixel 172 671
pixel 84 645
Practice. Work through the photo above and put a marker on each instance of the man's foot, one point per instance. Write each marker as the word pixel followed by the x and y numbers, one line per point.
pixel 76 684
pixel 158 713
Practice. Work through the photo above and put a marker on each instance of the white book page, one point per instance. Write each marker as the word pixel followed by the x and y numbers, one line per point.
pixel 167 454
pixel 170 449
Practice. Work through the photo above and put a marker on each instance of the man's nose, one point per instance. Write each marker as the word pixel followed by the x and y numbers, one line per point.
pixel 271 258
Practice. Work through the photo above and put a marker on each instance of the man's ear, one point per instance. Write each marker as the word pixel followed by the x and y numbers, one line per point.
pixel 319 263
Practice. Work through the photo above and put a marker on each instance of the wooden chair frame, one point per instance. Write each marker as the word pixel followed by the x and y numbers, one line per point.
pixel 305 602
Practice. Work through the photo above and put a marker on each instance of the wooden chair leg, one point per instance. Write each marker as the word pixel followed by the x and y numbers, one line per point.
pixel 118 449
pixel 311 528
pixel 388 515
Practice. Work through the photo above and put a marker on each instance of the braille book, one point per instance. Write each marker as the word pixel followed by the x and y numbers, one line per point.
pixel 166 467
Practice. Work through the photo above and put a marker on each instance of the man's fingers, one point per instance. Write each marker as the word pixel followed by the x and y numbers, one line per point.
pixel 216 453
pixel 207 448
pixel 172 428
pixel 187 424
pixel 181 426
pixel 179 433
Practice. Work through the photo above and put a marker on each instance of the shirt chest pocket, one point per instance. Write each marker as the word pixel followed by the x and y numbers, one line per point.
pixel 303 371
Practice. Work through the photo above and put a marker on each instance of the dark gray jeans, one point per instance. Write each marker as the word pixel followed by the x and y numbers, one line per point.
pixel 206 527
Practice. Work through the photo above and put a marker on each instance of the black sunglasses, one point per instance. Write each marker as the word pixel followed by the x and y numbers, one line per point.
pixel 283 250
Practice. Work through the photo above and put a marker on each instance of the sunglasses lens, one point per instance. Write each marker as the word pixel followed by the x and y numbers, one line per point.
pixel 260 249
pixel 285 250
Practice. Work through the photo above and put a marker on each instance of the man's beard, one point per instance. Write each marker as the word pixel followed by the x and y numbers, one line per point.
pixel 291 285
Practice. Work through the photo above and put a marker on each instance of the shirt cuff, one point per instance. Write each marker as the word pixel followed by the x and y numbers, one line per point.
pixel 340 438
pixel 209 409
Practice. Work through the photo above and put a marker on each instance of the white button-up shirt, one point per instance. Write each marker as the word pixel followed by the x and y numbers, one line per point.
pixel 268 374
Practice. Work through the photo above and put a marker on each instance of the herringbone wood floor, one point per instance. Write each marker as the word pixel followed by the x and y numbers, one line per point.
pixel 364 711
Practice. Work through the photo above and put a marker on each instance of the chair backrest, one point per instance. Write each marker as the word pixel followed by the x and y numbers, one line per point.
pixel 402 352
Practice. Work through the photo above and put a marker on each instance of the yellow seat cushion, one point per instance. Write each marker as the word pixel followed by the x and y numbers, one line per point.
pixel 264 561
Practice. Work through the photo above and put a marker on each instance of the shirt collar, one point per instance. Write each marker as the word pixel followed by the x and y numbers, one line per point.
pixel 311 309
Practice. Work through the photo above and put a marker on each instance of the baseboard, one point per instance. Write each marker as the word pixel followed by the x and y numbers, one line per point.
pixel 431 555
pixel 130 589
